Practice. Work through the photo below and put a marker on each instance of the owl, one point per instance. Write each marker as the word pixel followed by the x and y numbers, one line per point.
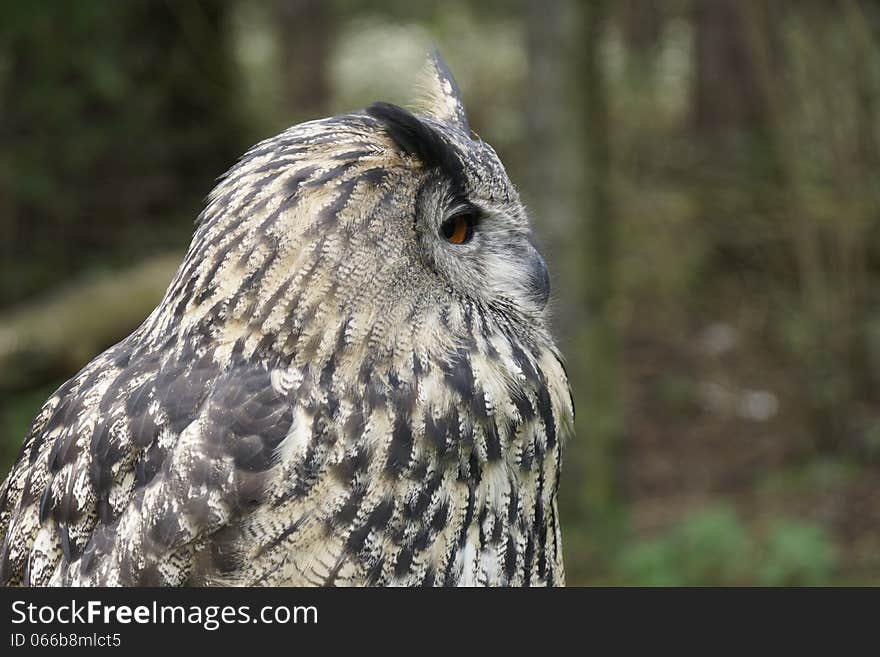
pixel 349 381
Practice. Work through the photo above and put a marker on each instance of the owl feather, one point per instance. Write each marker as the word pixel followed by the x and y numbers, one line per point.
pixel 349 381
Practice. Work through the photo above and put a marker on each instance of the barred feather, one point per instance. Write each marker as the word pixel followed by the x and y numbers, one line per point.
pixel 328 394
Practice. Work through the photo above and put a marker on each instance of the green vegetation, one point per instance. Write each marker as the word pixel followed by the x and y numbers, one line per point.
pixel 714 547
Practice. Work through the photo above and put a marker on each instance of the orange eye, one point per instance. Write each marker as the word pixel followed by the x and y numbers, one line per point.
pixel 458 229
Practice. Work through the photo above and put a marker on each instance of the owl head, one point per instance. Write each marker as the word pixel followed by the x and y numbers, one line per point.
pixel 384 232
pixel 468 217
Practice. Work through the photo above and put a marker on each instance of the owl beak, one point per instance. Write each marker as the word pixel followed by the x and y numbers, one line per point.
pixel 539 278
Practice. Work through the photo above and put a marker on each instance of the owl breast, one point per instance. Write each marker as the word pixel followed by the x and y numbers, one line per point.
pixel 443 473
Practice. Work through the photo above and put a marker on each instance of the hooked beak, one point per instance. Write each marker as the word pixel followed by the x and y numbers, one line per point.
pixel 539 278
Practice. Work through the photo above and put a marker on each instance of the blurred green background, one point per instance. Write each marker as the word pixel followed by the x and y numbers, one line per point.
pixel 702 176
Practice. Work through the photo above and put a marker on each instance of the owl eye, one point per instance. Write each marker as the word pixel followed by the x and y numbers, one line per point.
pixel 459 228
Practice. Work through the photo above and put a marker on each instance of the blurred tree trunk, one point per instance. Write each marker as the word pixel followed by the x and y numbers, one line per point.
pixel 863 25
pixel 546 82
pixel 597 368
pixel 642 23
pixel 305 33
pixel 551 155
pixel 728 99
pixel 568 190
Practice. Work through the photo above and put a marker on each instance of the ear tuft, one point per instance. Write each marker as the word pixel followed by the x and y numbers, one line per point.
pixel 441 98
pixel 417 139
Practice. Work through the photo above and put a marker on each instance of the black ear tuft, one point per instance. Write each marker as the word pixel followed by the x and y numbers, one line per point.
pixel 417 138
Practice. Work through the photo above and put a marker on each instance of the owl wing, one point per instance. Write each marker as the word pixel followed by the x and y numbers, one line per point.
pixel 131 467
